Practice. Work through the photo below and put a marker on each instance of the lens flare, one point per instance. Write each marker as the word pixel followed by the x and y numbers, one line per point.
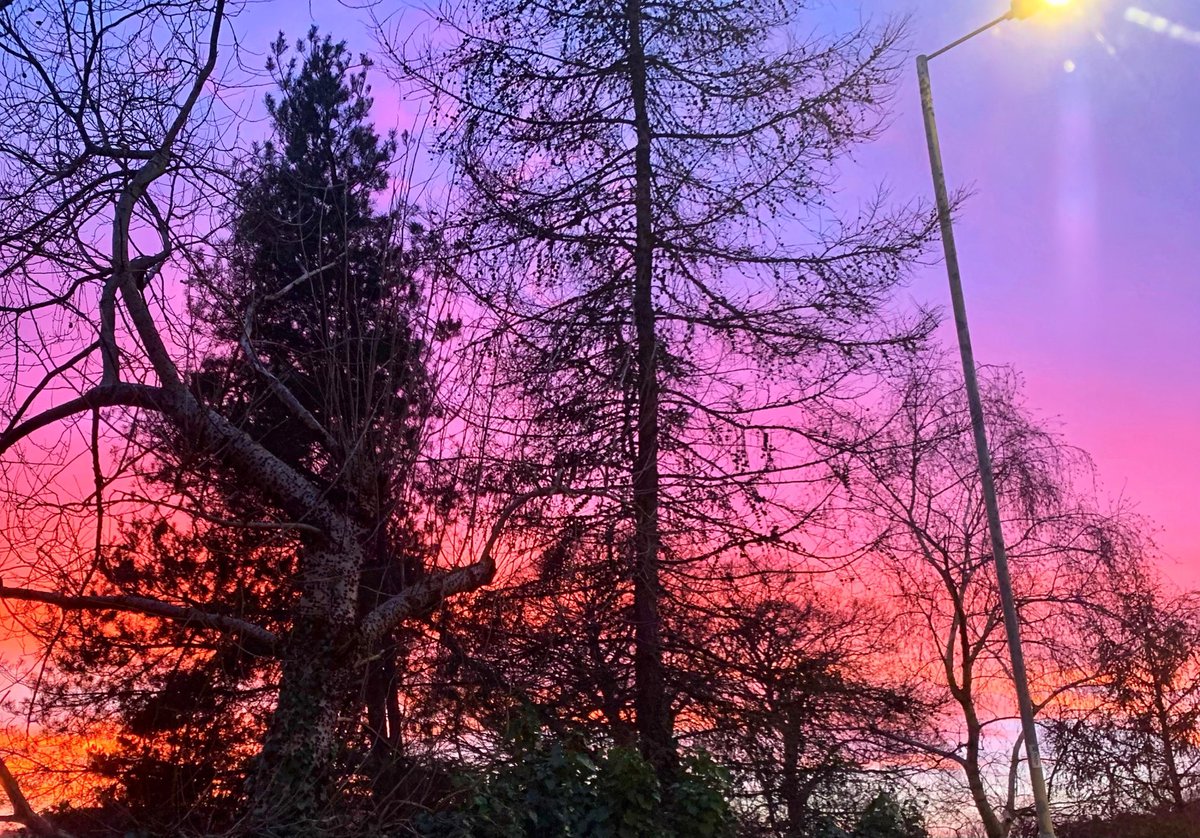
pixel 1162 26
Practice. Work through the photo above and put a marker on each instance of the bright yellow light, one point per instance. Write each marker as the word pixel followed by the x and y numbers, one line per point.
pixel 1022 9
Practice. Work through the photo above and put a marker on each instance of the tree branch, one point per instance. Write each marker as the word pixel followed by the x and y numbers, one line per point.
pixel 260 642
pixel 281 390
pixel 431 591
pixel 114 395
pixel 918 745
pixel 204 427
pixel 422 596
pixel 23 813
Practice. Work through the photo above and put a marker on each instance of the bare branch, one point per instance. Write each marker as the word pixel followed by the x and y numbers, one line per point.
pixel 207 429
pixel 261 641
pixel 422 596
pixel 23 813
pixel 430 592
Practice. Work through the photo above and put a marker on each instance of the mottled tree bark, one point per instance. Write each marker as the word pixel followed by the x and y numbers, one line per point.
pixel 289 786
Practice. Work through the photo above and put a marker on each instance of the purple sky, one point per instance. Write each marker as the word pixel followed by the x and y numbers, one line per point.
pixel 1079 137
pixel 1078 134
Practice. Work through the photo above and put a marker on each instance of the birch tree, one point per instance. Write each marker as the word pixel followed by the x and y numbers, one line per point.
pixel 914 495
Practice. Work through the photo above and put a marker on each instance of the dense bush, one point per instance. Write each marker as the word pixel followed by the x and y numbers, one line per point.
pixel 1164 824
pixel 548 789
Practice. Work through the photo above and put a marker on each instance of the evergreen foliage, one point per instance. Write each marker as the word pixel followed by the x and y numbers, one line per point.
pixel 548 788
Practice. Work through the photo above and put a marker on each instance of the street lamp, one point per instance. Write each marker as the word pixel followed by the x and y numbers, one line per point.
pixel 1019 10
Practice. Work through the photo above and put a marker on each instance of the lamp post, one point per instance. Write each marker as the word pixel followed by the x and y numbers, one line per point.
pixel 1020 9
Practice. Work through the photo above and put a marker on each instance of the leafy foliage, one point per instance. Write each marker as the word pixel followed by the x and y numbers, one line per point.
pixel 550 789
pixel 886 816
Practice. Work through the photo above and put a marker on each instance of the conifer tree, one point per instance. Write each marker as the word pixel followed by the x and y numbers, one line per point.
pixel 646 190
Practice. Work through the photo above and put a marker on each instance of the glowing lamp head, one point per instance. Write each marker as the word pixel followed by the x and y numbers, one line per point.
pixel 1022 9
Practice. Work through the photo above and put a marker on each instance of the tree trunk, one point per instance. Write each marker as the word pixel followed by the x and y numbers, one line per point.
pixel 1170 761
pixel 290 785
pixel 789 784
pixel 650 700
pixel 992 825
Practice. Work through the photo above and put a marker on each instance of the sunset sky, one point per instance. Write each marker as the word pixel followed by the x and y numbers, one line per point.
pixel 1073 139
pixel 1077 134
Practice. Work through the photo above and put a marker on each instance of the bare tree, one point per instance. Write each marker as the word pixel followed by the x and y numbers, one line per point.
pixel 1131 744
pixel 785 691
pixel 914 496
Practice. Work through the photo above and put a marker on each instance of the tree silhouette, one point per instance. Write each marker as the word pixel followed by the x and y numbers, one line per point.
pixel 644 189
pixel 914 495
pixel 1132 745
pixel 303 440
pixel 326 373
